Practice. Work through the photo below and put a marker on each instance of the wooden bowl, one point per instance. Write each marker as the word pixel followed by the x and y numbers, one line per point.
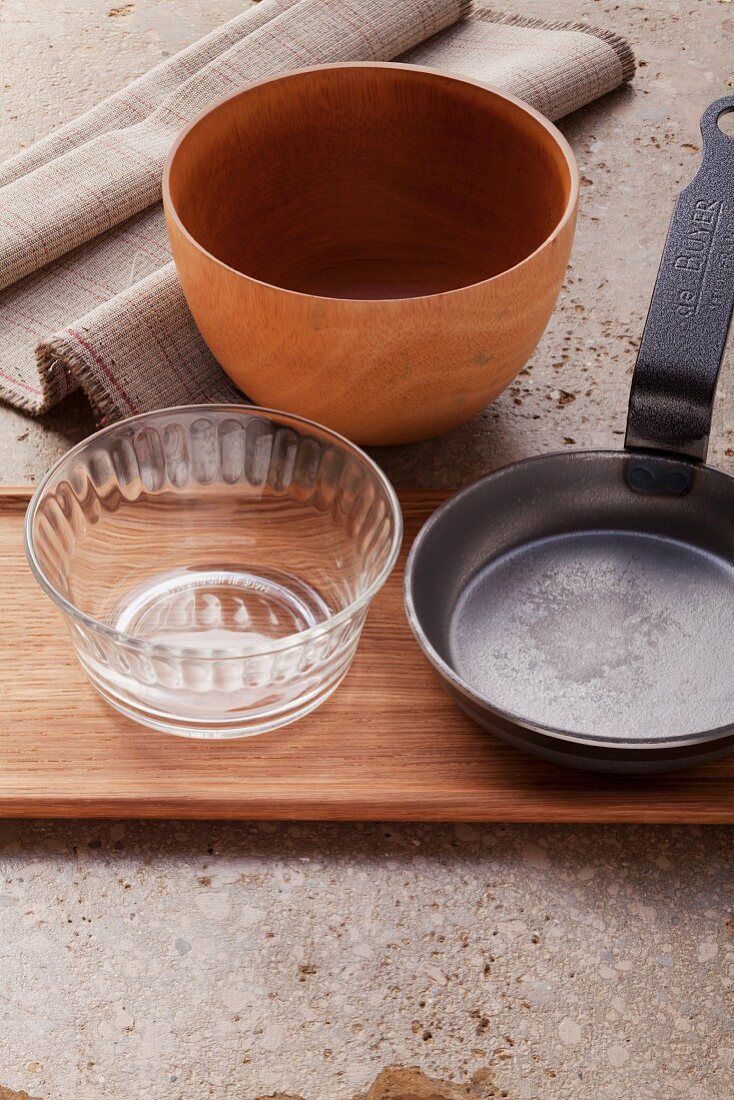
pixel 377 247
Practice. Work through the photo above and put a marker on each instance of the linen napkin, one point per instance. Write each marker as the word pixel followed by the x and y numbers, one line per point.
pixel 91 297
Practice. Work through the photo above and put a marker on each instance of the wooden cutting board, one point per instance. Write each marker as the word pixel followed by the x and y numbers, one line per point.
pixel 389 745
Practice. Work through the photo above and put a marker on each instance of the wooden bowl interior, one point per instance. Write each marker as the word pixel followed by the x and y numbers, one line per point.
pixel 369 183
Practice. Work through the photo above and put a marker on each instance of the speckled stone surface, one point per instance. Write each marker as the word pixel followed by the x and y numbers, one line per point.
pixel 186 961
pixel 192 961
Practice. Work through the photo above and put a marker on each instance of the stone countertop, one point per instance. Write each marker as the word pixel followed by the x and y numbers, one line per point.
pixel 195 960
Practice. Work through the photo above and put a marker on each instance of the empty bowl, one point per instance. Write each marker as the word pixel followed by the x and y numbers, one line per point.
pixel 377 247
pixel 214 563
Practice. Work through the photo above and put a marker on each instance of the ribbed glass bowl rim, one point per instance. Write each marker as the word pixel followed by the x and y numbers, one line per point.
pixel 292 641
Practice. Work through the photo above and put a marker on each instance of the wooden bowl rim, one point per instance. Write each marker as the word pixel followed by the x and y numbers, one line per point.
pixel 545 124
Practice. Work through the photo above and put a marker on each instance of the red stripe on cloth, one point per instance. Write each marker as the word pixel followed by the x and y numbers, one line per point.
pixel 23 386
pixel 14 314
pixel 103 367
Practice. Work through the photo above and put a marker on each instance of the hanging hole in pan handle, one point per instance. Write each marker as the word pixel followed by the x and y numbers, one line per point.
pixel 674 382
pixel 725 122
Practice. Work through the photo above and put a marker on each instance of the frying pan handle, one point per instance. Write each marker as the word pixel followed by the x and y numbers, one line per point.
pixel 674 383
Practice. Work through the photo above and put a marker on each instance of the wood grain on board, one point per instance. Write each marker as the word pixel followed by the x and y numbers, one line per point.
pixel 389 745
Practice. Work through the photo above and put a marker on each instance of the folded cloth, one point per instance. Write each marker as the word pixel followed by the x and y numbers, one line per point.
pixel 91 298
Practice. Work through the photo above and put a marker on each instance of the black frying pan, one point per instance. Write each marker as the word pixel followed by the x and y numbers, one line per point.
pixel 581 605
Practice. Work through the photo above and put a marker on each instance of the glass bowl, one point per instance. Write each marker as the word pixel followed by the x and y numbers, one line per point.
pixel 214 563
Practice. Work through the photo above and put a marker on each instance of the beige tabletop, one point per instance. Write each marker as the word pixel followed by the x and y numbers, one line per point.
pixel 195 960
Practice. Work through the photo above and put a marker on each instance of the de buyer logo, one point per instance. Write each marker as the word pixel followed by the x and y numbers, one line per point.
pixel 707 249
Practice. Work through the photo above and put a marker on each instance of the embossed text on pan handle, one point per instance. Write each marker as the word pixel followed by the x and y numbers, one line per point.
pixel 683 341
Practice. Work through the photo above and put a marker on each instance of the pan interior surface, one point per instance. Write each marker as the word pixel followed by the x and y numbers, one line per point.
pixel 556 595
pixel 614 633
